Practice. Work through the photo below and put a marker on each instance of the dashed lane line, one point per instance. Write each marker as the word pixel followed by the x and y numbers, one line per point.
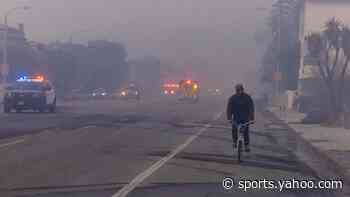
pixel 12 143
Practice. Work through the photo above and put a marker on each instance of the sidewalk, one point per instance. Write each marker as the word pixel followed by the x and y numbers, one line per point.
pixel 332 143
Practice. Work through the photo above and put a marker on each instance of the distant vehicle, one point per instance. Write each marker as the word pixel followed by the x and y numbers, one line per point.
pixel 99 93
pixel 215 92
pixel 130 92
pixel 170 89
pixel 189 90
pixel 27 93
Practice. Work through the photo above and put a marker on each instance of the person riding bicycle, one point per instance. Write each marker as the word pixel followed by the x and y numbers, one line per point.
pixel 240 110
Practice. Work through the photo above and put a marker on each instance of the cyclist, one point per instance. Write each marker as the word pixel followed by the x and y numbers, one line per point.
pixel 240 110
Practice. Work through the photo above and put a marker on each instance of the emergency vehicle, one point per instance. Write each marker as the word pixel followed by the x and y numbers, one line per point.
pixel 170 89
pixel 30 93
pixel 189 90
pixel 130 92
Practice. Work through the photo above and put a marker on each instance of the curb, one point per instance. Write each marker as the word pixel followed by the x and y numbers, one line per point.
pixel 332 167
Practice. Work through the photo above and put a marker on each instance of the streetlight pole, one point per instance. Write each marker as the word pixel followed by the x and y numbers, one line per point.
pixel 278 73
pixel 4 46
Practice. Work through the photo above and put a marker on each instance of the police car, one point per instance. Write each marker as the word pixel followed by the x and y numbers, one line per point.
pixel 26 93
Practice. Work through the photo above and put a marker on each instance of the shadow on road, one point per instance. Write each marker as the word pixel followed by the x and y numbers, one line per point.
pixel 254 160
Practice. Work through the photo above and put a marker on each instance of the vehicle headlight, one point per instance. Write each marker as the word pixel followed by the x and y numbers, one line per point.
pixel 166 92
pixel 136 93
pixel 104 94
pixel 123 93
pixel 93 94
pixel 172 92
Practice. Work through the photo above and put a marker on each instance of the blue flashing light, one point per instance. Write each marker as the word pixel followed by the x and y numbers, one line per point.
pixel 23 78
pixel 26 79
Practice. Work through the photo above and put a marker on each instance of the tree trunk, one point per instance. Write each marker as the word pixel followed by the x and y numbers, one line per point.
pixel 328 72
pixel 335 63
pixel 342 84
pixel 333 108
pixel 333 114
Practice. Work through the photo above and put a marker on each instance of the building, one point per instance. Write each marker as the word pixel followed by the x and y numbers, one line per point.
pixel 15 37
pixel 21 54
pixel 313 17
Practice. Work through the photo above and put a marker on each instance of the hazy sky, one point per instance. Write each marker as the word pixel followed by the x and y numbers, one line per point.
pixel 218 32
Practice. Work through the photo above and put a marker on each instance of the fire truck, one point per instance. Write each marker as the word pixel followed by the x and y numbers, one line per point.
pixel 189 90
pixel 170 89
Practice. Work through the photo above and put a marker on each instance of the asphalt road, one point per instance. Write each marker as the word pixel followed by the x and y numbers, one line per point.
pixel 158 147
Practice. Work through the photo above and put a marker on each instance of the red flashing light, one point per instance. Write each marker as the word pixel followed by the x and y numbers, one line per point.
pixel 171 85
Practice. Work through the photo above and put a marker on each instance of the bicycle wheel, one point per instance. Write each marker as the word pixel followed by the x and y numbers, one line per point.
pixel 239 149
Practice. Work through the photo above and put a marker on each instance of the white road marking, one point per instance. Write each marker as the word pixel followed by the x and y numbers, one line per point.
pixel 88 127
pixel 12 143
pixel 123 192
pixel 202 125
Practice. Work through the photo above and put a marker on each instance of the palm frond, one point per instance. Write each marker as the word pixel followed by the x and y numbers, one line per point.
pixel 314 43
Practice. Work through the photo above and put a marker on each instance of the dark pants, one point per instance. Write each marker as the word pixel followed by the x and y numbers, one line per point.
pixel 235 134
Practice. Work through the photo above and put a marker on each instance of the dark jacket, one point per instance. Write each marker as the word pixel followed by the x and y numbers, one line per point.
pixel 240 108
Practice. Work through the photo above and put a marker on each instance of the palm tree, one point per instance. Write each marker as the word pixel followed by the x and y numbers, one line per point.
pixel 327 47
pixel 333 33
pixel 345 44
pixel 314 44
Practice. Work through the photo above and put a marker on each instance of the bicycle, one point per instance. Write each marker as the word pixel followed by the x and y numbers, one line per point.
pixel 240 138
